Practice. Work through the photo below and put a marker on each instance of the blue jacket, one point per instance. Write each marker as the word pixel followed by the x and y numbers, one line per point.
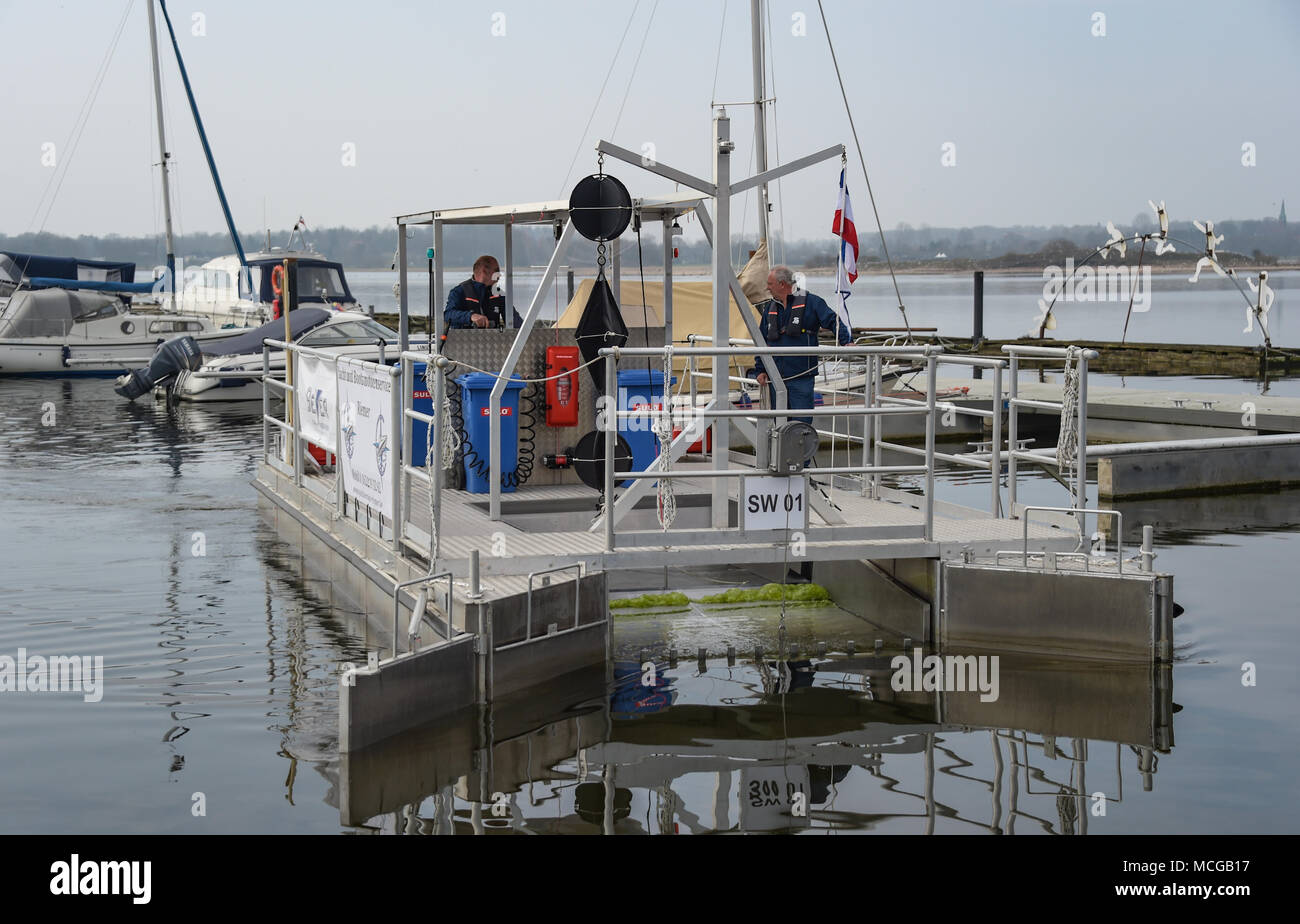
pixel 817 316
pixel 459 310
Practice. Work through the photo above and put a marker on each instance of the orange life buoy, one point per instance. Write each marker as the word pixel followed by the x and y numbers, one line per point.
pixel 277 279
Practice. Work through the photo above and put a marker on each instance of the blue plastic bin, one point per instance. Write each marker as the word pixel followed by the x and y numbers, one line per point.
pixel 641 388
pixel 422 401
pixel 476 398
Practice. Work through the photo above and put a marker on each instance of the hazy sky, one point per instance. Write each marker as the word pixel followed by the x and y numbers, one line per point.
pixel 1050 123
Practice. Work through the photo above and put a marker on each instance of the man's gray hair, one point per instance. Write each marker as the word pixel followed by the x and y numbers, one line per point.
pixel 784 275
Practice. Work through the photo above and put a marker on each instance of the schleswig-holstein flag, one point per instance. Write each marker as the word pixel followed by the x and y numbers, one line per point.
pixel 846 270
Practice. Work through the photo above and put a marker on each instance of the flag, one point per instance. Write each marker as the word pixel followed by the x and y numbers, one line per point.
pixel 846 269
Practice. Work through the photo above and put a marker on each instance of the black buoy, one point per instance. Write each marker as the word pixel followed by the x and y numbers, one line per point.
pixel 600 207
pixel 589 458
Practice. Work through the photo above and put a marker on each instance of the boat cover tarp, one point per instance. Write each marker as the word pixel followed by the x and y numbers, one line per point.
pixel 301 320
pixel 47 312
pixel 92 285
pixel 35 265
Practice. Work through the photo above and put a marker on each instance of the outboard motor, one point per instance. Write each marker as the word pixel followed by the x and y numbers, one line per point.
pixel 171 358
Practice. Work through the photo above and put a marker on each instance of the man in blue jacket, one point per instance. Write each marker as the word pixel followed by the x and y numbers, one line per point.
pixel 474 304
pixel 793 319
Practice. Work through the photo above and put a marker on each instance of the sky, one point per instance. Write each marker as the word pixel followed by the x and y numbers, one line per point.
pixel 969 113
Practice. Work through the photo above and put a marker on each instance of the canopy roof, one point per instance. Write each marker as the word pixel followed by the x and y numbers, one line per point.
pixel 653 208
pixel 35 265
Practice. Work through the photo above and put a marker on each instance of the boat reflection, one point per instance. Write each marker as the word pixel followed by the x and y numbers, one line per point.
pixel 748 748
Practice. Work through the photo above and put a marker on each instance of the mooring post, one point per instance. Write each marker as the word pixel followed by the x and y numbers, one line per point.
pixel 475 589
pixel 1148 547
pixel 977 330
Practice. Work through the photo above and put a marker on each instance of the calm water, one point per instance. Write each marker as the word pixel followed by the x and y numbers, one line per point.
pixel 1211 311
pixel 222 677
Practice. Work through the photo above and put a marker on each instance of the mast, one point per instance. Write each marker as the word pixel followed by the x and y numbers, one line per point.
pixel 760 116
pixel 162 148
pixel 203 138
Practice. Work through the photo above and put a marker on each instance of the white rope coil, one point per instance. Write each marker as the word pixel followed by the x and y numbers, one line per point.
pixel 1067 442
pixel 449 441
pixel 663 429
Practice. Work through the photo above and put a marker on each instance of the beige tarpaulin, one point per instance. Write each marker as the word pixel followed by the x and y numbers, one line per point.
pixel 692 309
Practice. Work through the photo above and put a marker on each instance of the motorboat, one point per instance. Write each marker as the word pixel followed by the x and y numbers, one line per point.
pixel 92 329
pixel 236 373
pixel 220 292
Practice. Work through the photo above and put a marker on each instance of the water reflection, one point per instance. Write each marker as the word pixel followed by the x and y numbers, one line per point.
pixel 740 749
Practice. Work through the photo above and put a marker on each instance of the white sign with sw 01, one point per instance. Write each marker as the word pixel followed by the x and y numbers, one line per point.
pixel 774 502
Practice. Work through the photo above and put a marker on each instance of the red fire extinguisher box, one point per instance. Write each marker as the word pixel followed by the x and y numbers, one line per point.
pixel 562 386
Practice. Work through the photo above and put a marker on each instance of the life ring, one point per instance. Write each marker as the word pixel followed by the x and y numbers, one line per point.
pixel 277 279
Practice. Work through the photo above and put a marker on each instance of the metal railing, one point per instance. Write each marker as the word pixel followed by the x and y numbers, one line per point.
pixel 406 537
pixel 868 411
pixel 1015 402
pixel 292 443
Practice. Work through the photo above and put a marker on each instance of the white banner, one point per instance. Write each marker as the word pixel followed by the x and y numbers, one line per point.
pixel 316 394
pixel 370 439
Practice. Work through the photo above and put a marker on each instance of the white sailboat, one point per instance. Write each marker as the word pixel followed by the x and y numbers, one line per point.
pixel 65 316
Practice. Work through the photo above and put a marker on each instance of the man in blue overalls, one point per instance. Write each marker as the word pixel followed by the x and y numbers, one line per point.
pixel 793 319
pixel 473 304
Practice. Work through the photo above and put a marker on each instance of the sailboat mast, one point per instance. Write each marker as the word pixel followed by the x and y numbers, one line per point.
pixel 162 148
pixel 760 116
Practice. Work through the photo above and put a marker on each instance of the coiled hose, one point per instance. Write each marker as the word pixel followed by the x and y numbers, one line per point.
pixel 468 458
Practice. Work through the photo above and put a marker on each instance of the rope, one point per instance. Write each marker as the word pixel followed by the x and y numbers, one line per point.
pixel 78 127
pixel 599 96
pixel 635 63
pixel 663 429
pixel 1067 443
pixel 870 195
pixel 449 441
pixel 717 58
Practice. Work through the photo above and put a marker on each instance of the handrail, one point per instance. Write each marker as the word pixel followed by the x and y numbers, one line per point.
pixel 577 595
pixel 416 612
pixel 1080 512
pixel 1014 349
pixel 867 411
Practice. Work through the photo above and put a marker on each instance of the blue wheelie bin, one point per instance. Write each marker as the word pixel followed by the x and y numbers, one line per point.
pixel 476 398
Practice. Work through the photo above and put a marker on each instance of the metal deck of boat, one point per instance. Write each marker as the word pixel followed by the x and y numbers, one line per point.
pixel 897 518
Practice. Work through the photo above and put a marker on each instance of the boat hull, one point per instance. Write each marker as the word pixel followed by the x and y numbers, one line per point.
pixel 49 357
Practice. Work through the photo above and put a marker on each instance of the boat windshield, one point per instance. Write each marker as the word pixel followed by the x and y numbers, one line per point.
pixel 318 281
pixel 348 333
pixel 323 282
